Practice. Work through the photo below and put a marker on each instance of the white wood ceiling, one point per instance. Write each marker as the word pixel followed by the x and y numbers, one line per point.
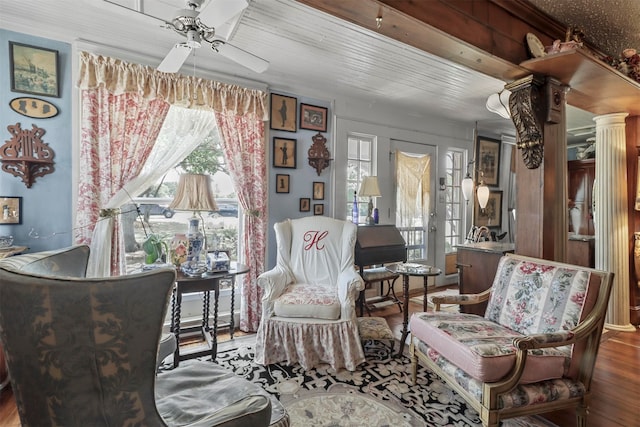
pixel 306 48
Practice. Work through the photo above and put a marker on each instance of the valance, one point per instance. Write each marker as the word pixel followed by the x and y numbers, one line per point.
pixel 119 77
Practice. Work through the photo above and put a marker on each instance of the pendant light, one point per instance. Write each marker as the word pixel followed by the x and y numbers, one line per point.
pixel 483 192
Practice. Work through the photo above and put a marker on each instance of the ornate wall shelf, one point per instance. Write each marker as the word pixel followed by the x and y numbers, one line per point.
pixel 25 155
pixel 319 156
pixel 594 86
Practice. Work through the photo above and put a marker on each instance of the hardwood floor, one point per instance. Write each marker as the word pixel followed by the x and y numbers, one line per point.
pixel 616 383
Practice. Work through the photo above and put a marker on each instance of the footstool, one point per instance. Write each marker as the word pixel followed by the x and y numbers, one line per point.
pixel 375 329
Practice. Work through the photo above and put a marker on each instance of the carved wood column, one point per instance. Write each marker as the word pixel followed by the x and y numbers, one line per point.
pixel 611 215
pixel 538 112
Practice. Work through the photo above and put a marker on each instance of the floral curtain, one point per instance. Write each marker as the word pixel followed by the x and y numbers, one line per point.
pixel 117 135
pixel 244 148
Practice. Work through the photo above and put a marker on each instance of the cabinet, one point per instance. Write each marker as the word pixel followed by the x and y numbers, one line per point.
pixel 477 266
pixel 581 174
pixel 581 251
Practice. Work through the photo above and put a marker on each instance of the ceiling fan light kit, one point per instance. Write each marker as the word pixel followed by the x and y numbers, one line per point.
pixel 198 23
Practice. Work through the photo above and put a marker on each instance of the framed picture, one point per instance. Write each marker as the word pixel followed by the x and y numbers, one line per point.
pixel 491 215
pixel 313 118
pixel 283 113
pixel 11 210
pixel 284 153
pixel 488 157
pixel 318 209
pixel 305 204
pixel 318 191
pixel 34 70
pixel 282 183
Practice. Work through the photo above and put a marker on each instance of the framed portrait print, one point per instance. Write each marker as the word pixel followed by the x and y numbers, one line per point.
pixel 283 113
pixel 11 212
pixel 491 215
pixel 313 118
pixel 282 183
pixel 318 191
pixel 488 157
pixel 305 204
pixel 34 70
pixel 284 153
pixel 318 209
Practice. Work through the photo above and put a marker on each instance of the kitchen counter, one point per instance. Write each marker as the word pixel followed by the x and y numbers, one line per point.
pixel 491 247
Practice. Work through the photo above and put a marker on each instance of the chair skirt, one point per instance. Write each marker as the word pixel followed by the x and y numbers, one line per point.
pixel 309 342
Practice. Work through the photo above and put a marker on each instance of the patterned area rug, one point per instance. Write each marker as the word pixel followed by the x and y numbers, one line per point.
pixel 379 393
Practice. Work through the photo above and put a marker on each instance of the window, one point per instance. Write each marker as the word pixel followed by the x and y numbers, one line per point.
pixel 155 217
pixel 454 204
pixel 360 163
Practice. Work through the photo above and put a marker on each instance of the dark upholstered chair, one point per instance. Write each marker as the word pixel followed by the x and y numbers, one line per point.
pixel 83 352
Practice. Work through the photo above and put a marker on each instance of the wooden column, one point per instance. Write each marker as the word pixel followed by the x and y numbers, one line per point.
pixel 610 215
pixel 538 112
pixel 633 157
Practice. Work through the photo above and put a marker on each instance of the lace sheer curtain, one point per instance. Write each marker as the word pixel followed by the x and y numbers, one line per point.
pixel 413 181
pixel 146 86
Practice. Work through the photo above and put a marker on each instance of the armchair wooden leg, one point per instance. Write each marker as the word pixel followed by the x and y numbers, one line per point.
pixel 581 415
pixel 414 363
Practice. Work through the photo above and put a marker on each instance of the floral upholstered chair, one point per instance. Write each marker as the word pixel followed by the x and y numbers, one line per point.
pixel 308 305
pixel 83 352
pixel 535 348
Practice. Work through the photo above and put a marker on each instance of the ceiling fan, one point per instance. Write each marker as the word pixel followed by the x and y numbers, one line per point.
pixel 198 24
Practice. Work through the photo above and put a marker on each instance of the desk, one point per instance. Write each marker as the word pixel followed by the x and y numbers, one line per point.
pixel 406 273
pixel 206 283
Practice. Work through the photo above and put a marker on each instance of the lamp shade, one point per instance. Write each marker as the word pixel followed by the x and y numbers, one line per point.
pixel 499 103
pixel 369 187
pixel 194 194
pixel 467 187
pixel 483 195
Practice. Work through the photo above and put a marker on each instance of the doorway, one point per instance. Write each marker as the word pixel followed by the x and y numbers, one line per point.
pixel 414 172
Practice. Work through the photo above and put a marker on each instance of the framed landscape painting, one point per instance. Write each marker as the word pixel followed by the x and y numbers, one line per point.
pixel 313 118
pixel 34 70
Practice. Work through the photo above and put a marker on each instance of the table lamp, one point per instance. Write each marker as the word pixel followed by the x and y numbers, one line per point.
pixel 369 187
pixel 194 194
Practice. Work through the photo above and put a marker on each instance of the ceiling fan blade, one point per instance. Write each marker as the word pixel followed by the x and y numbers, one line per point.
pixel 175 58
pixel 242 57
pixel 217 12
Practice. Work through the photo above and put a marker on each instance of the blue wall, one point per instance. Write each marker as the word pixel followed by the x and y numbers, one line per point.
pixel 301 179
pixel 47 205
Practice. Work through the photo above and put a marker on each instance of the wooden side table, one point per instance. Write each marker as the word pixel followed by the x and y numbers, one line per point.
pixel 206 283
pixel 421 269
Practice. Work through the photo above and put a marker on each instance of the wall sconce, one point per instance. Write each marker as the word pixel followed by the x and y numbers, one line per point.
pixel 319 156
pixel 499 103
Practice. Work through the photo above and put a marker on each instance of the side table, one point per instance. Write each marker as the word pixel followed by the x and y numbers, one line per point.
pixel 205 283
pixel 414 268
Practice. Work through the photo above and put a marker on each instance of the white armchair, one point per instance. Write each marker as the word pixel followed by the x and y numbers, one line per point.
pixel 308 303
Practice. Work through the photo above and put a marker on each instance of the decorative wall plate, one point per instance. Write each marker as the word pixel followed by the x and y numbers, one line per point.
pixel 536 48
pixel 34 107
